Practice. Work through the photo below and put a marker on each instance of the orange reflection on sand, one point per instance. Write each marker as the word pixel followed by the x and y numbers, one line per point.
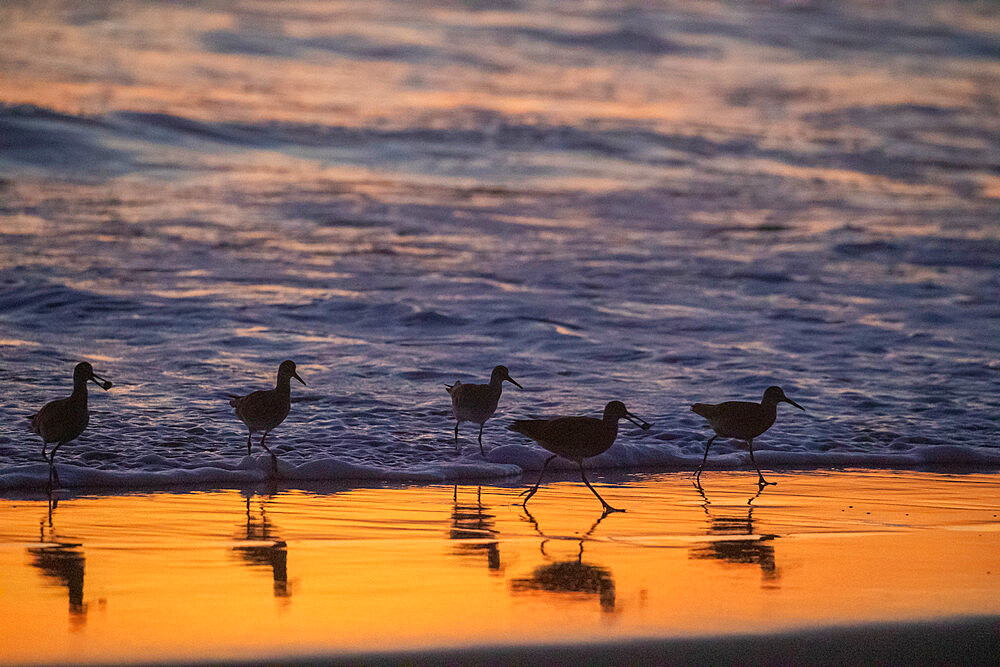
pixel 215 575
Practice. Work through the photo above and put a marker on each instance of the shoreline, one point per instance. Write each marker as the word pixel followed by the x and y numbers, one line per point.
pixel 99 482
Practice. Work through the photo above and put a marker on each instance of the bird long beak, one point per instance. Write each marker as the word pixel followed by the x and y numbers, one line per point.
pixel 100 382
pixel 513 382
pixel 641 423
pixel 296 376
pixel 788 400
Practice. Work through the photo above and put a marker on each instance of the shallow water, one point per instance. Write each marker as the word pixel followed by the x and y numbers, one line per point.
pixel 264 573
pixel 659 205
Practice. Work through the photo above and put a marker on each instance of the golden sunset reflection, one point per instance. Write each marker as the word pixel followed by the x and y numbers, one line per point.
pixel 227 574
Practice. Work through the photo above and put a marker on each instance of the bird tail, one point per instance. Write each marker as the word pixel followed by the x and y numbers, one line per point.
pixel 703 409
pixel 451 387
pixel 233 399
pixel 528 427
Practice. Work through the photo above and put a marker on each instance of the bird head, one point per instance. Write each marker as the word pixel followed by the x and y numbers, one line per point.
pixel 775 395
pixel 616 410
pixel 500 373
pixel 287 371
pixel 84 372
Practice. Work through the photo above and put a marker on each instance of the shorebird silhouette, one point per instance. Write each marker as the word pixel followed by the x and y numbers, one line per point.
pixel 263 410
pixel 576 439
pixel 743 420
pixel 477 402
pixel 62 420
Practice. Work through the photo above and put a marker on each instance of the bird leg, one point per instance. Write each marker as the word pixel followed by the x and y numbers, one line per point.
pixel 530 492
pixel 249 436
pixel 53 473
pixel 481 450
pixel 274 459
pixel 760 477
pixel 607 508
pixel 697 476
pixel 458 449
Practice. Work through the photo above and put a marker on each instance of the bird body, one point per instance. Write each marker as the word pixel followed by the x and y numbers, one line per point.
pixel 264 410
pixel 64 419
pixel 738 419
pixel 743 420
pixel 573 438
pixel 576 439
pixel 474 402
pixel 478 402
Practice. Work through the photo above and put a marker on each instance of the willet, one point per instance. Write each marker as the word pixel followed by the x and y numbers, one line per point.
pixel 743 420
pixel 477 402
pixel 64 419
pixel 576 439
pixel 263 410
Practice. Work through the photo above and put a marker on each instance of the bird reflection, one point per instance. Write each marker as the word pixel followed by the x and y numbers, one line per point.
pixel 753 549
pixel 267 550
pixel 472 523
pixel 569 576
pixel 62 562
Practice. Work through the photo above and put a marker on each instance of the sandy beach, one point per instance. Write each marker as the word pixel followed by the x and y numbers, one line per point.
pixel 855 561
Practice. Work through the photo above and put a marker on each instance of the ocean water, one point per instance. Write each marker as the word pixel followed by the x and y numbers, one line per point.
pixel 655 204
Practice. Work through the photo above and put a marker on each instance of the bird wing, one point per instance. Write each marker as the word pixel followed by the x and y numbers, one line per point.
pixel 253 400
pixel 573 438
pixel 260 409
pixel 560 433
pixel 729 419
pixel 473 393
pixel 474 402
pixel 57 421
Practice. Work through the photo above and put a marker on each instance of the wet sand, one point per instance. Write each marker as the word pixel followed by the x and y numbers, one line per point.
pixel 824 567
